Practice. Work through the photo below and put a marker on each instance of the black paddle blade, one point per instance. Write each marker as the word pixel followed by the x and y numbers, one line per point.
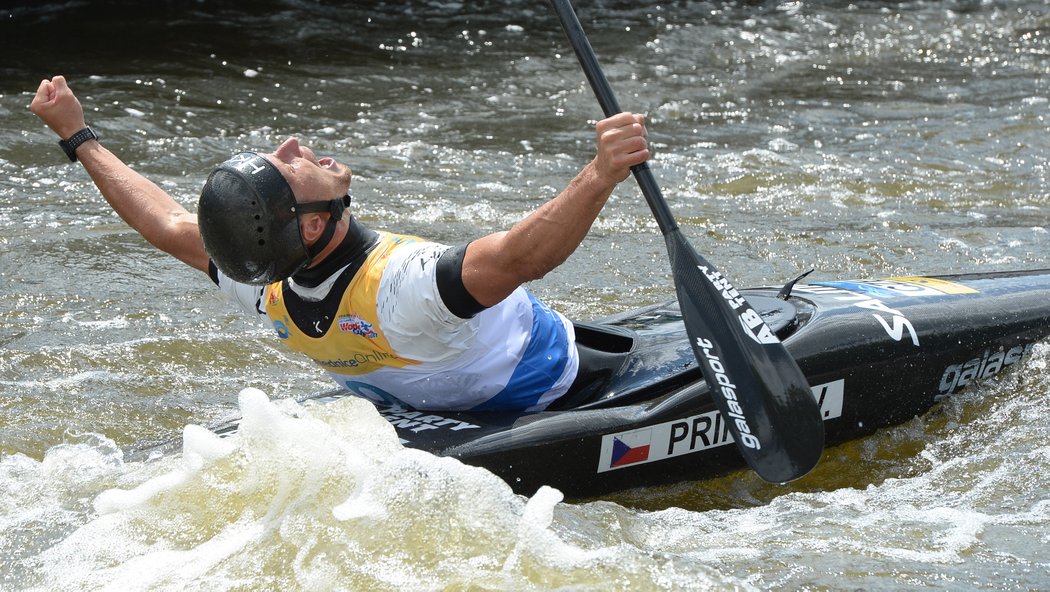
pixel 756 384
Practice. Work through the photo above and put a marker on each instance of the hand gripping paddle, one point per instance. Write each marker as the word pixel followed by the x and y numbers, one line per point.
pixel 756 384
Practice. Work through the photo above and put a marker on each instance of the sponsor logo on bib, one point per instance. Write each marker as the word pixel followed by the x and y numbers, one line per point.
pixel 358 326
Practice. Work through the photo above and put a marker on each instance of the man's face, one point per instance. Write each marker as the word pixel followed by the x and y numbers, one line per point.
pixel 310 178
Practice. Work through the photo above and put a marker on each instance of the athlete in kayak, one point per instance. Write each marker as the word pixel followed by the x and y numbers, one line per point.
pixel 390 317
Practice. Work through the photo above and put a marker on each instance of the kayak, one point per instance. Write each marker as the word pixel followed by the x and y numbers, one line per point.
pixel 876 353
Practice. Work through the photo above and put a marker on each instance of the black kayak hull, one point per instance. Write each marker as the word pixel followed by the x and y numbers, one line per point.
pixel 877 353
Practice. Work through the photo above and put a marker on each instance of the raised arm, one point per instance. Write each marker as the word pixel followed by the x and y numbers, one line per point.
pixel 142 204
pixel 495 265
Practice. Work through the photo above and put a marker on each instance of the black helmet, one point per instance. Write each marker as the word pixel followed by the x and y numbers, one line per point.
pixel 249 220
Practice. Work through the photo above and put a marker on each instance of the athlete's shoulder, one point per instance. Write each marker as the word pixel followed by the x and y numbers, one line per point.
pixel 249 297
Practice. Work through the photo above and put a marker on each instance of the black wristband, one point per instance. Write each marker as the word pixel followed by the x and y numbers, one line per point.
pixel 70 146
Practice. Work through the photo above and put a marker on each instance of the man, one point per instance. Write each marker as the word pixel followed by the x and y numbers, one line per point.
pixel 393 318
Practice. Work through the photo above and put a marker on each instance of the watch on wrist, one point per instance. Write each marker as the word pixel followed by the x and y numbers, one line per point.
pixel 70 146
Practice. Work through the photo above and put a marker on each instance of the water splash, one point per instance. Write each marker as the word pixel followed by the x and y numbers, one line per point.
pixel 313 497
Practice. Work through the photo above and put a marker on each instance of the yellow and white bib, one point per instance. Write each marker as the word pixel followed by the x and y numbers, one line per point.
pixel 354 343
pixel 395 342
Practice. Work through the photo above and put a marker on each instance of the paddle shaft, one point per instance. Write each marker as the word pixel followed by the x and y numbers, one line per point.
pixel 585 54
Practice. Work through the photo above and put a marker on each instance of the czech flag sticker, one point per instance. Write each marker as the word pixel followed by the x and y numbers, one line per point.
pixel 628 448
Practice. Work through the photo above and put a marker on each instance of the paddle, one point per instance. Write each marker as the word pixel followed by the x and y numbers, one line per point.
pixel 756 384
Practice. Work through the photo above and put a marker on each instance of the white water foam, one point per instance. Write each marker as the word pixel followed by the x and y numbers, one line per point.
pixel 325 497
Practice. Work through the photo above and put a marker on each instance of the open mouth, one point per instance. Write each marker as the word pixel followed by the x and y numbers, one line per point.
pixel 326 162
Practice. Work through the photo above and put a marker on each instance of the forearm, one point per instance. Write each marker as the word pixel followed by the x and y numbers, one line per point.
pixel 147 208
pixel 143 205
pixel 546 238
pixel 494 266
pixel 539 243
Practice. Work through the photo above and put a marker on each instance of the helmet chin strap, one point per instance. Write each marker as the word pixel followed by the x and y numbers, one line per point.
pixel 335 209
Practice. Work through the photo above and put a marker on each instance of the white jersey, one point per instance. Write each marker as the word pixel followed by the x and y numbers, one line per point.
pixel 517 355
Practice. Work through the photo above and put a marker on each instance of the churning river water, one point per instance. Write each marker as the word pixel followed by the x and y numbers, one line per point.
pixel 862 139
